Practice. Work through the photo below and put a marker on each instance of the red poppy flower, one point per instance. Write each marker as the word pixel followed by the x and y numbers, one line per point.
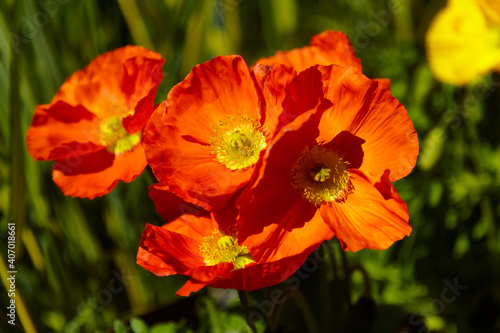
pixel 206 249
pixel 205 144
pixel 92 127
pixel 327 48
pixel 335 167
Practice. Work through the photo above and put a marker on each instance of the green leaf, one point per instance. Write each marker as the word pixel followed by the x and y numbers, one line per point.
pixel 119 326
pixel 138 325
pixel 164 328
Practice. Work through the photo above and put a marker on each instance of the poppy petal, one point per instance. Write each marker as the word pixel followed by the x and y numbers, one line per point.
pixel 273 82
pixel 367 111
pixel 213 90
pixel 58 125
pixel 191 286
pixel 99 87
pixel 272 271
pixel 371 217
pixel 171 251
pixel 141 79
pixel 329 47
pixel 171 206
pixel 97 173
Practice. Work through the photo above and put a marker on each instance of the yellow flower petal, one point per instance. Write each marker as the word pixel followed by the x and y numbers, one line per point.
pixel 461 43
pixel 491 8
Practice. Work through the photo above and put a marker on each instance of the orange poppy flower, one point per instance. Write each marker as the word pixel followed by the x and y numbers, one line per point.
pixel 92 127
pixel 327 48
pixel 206 249
pixel 335 167
pixel 205 143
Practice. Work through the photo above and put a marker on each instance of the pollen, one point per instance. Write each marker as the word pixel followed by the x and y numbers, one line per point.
pixel 115 137
pixel 219 248
pixel 237 142
pixel 321 176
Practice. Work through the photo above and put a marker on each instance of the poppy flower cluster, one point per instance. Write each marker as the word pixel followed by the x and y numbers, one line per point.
pixel 463 41
pixel 256 165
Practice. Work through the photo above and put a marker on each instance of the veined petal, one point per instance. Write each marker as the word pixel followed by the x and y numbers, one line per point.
pixel 220 87
pixel 372 117
pixel 273 82
pixel 171 252
pixel 371 217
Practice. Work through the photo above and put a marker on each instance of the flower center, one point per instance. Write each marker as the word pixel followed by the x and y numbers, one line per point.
pixel 237 142
pixel 321 176
pixel 115 137
pixel 219 248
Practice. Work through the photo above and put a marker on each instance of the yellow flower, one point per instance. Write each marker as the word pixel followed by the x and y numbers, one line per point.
pixel 463 41
pixel 491 8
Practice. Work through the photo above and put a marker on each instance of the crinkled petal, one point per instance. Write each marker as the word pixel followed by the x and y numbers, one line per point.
pixel 372 216
pixel 95 174
pixel 368 113
pixel 105 86
pixel 140 81
pixel 212 91
pixel 273 82
pixel 329 47
pixel 171 252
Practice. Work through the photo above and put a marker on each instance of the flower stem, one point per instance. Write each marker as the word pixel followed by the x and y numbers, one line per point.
pixel 246 309
pixel 346 277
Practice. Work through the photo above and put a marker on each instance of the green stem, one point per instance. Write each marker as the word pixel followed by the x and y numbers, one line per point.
pixel 303 305
pixel 18 180
pixel 334 260
pixel 246 309
pixel 345 267
pixel 367 285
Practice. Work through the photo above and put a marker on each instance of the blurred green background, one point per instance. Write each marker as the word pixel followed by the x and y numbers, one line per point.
pixel 75 258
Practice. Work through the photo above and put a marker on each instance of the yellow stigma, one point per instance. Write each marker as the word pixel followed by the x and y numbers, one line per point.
pixel 115 137
pixel 237 142
pixel 219 248
pixel 321 176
